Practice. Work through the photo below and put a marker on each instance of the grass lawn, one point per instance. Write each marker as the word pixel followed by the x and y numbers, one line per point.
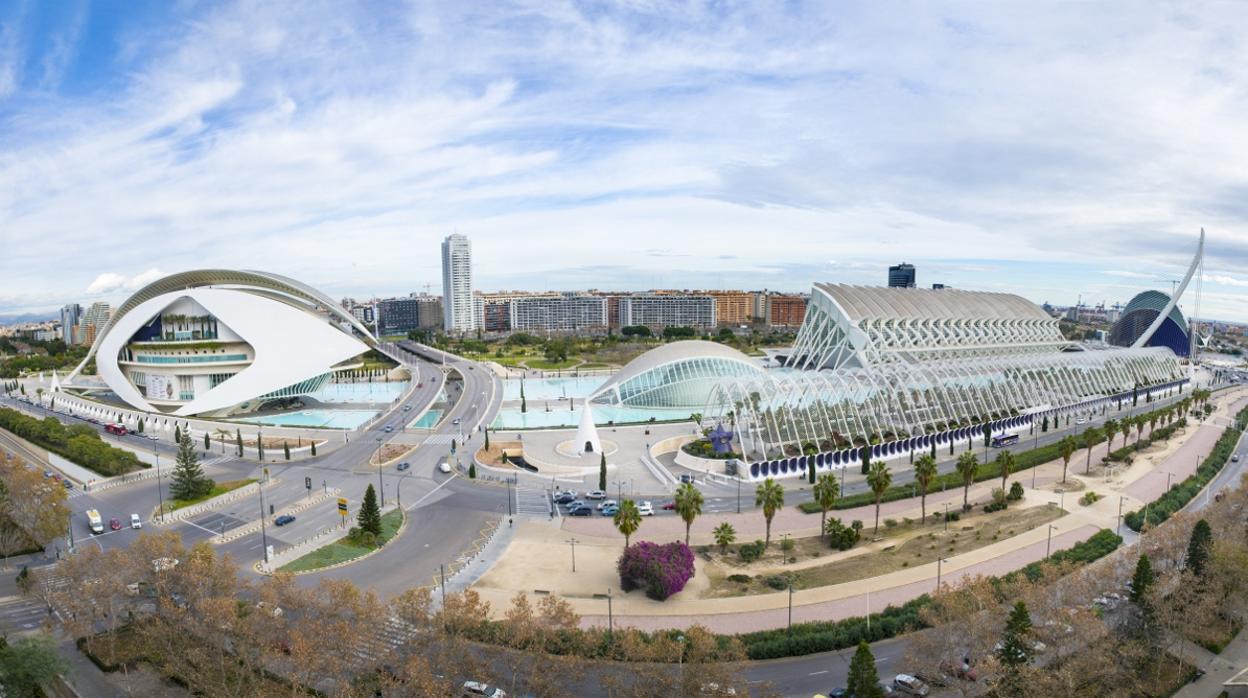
pixel 219 489
pixel 343 550
pixel 962 536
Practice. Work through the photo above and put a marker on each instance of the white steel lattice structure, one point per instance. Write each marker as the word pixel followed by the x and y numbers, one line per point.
pixel 853 326
pixel 900 407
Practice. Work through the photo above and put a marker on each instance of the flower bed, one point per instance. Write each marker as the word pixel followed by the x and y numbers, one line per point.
pixel 662 570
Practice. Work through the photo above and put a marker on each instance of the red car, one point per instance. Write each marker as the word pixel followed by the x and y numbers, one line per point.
pixel 669 506
pixel 114 523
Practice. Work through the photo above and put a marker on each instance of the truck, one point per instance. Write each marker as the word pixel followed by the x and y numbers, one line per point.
pixel 94 521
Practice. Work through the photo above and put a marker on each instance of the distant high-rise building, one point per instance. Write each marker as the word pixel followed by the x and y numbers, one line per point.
pixel 937 287
pixel 93 321
pixel 662 310
pixel 70 316
pixel 458 312
pixel 901 276
pixel 785 309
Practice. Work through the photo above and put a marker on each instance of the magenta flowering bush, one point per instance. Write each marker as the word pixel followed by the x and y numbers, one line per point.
pixel 662 570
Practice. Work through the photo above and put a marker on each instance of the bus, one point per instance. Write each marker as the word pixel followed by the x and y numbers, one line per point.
pixel 94 521
pixel 115 429
pixel 1003 440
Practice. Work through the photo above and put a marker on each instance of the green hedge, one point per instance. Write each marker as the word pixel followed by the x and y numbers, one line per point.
pixel 952 480
pixel 1161 434
pixel 1102 543
pixel 79 443
pixel 1167 504
pixel 825 636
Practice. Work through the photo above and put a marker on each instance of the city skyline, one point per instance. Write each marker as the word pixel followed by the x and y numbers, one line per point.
pixel 169 138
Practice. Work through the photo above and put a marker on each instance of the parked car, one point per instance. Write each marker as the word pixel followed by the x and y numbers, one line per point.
pixel 910 685
pixel 114 523
pixel 595 494
pixel 444 467
pixel 404 465
pixel 577 504
pixel 283 520
pixel 580 511
pixel 608 503
pixel 669 506
pixel 609 510
pixel 565 497
pixel 135 521
pixel 645 509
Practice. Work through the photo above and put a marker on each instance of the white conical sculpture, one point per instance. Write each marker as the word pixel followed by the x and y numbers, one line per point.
pixel 56 382
pixel 587 434
pixel 41 376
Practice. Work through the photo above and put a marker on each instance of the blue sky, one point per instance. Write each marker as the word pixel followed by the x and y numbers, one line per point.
pixel 1055 151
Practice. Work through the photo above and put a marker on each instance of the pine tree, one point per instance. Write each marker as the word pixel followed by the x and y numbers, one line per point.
pixel 286 449
pixel 1014 650
pixel 140 425
pixel 1142 581
pixel 369 518
pixel 1198 548
pixel 207 441
pixel 864 680
pixel 487 438
pixel 177 434
pixel 189 481
pixel 238 437
pixel 472 470
pixel 602 472
pixel 313 444
pixel 524 405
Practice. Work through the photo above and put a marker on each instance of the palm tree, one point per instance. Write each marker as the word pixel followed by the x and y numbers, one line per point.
pixel 924 473
pixel 879 479
pixel 1090 437
pixel 1067 448
pixel 725 535
pixel 1139 423
pixel 688 505
pixel 1124 428
pixel 1111 430
pixel 628 519
pixel 826 491
pixel 967 465
pixel 1005 461
pixel 769 496
pixel 1152 424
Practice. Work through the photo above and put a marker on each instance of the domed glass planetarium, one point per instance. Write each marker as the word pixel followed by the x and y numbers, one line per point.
pixel 676 375
pixel 218 342
pixel 1139 315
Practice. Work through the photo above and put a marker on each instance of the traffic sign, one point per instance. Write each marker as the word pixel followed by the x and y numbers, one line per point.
pixel 342 505
pixel 307 482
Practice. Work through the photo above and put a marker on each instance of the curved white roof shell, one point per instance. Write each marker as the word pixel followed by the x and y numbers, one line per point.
pixel 678 374
pixel 282 320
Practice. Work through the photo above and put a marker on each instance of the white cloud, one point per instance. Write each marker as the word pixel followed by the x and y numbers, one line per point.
pixel 108 282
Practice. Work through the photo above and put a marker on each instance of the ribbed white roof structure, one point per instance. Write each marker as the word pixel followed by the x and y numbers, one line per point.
pixel 861 326
pixel 678 374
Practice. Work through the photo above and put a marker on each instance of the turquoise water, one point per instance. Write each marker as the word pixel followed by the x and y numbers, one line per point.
pixel 376 393
pixel 428 420
pixel 541 389
pixel 328 419
pixel 511 417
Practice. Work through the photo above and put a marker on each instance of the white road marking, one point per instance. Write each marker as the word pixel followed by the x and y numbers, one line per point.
pixel 188 521
pixel 445 482
pixel 816 673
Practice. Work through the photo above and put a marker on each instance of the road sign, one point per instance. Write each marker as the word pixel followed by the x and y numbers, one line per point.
pixel 307 482
pixel 342 505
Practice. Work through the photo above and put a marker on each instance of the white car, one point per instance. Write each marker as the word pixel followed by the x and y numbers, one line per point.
pixel 645 509
pixel 595 494
pixel 135 521
pixel 444 467
pixel 478 688
pixel 607 503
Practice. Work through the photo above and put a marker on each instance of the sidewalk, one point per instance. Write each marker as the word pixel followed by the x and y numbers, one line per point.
pixel 1218 668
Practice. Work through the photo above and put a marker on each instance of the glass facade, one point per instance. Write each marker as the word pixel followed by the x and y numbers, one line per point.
pixel 682 383
pixel 204 359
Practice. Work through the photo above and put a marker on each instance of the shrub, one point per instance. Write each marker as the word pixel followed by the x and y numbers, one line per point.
pixel 778 581
pixel 750 552
pixel 890 523
pixel 1016 492
pixel 1102 543
pixel 1089 498
pixel 952 516
pixel 788 544
pixel 739 578
pixel 662 569
pixel 840 536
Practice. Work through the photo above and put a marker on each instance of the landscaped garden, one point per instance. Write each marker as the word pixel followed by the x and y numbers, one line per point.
pixel 372 532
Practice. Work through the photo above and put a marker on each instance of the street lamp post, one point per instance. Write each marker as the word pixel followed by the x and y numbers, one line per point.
pixel 1118 530
pixel 160 495
pixel 1049 543
pixel 380 486
pixel 610 617
pixel 738 493
pixel 572 542
pixel 264 537
pixel 939 563
pixel 790 608
pixel 946 516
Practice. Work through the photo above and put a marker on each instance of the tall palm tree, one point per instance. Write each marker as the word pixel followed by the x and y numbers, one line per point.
pixel 1124 427
pixel 1139 423
pixel 1067 448
pixel 769 496
pixel 879 479
pixel 967 465
pixel 826 491
pixel 1152 424
pixel 1111 430
pixel 688 505
pixel 924 474
pixel 628 519
pixel 1090 437
pixel 725 535
pixel 1005 461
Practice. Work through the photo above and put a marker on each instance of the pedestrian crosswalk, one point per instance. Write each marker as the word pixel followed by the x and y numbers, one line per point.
pixel 19 614
pixel 436 439
pixel 532 502
pixel 215 460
